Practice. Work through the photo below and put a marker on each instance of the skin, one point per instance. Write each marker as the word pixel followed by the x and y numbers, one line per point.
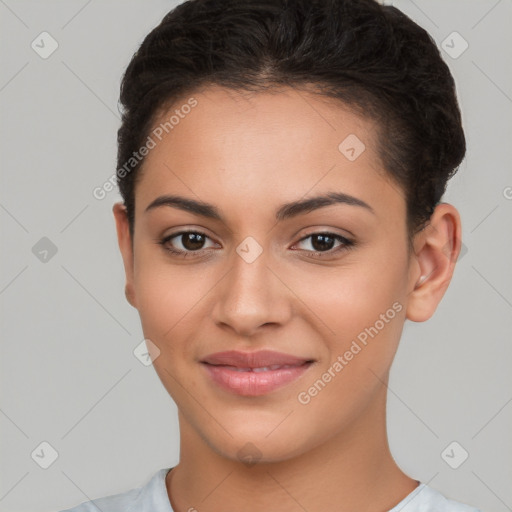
pixel 248 155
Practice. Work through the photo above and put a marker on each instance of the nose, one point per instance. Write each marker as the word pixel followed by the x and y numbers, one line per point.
pixel 252 295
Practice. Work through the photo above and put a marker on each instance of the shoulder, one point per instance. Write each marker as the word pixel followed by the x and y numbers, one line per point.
pixel 114 503
pixel 150 497
pixel 427 499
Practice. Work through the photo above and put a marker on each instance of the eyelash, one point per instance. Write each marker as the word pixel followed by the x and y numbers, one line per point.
pixel 346 244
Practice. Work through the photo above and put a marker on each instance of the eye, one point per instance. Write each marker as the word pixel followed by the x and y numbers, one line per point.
pixel 185 242
pixel 324 243
pixel 192 243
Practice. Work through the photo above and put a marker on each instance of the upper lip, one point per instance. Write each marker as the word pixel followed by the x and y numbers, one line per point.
pixel 258 359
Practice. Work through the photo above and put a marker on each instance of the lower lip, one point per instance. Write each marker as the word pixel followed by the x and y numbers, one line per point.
pixel 249 383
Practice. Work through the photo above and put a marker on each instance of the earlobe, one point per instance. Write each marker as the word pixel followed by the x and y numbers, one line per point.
pixel 436 249
pixel 128 292
pixel 126 247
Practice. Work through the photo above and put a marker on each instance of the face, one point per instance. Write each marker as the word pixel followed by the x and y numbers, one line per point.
pixel 327 283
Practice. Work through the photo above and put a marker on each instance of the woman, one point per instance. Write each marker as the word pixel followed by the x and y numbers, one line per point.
pixel 282 165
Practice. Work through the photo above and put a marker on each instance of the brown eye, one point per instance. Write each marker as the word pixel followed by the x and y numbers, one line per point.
pixel 185 242
pixel 192 241
pixel 324 243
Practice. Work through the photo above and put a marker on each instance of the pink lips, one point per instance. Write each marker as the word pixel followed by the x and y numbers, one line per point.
pixel 254 373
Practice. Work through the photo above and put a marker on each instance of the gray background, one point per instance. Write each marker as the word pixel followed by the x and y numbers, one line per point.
pixel 69 375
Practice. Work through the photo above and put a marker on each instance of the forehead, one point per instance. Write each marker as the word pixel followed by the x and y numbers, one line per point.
pixel 278 144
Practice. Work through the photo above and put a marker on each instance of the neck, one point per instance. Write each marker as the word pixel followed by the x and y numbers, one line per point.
pixel 353 470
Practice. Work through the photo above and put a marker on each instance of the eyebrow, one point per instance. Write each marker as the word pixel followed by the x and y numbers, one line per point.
pixel 286 211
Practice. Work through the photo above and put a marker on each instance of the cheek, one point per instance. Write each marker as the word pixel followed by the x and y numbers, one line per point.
pixel 359 308
pixel 351 297
pixel 366 318
pixel 165 302
pixel 166 296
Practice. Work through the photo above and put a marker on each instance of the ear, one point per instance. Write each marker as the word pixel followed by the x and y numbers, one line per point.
pixel 436 249
pixel 125 245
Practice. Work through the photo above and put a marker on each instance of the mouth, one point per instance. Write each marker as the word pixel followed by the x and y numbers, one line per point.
pixel 256 373
pixel 259 369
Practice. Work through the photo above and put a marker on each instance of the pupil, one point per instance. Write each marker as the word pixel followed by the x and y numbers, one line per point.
pixel 325 242
pixel 192 241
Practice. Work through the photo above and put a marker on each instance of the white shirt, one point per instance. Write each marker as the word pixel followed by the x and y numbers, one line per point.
pixel 153 497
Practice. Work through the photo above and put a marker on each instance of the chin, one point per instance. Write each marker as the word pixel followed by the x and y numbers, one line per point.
pixel 253 442
pixel 257 451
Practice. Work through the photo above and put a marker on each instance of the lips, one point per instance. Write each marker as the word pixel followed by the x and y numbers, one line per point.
pixel 259 368
pixel 251 360
pixel 254 373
